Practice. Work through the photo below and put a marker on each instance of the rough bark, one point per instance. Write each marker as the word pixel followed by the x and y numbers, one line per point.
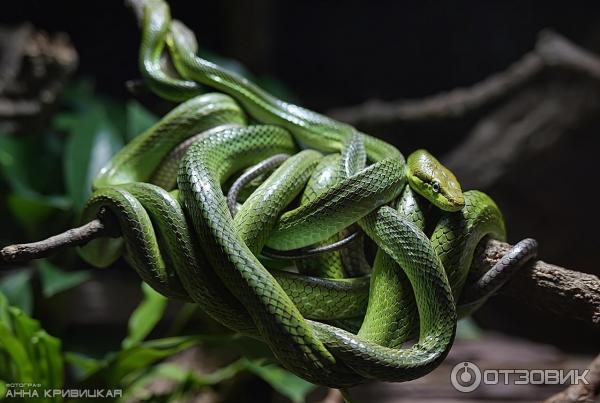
pixel 563 292
pixel 37 250
pixel 582 392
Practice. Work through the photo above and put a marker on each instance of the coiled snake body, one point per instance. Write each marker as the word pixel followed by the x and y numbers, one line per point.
pixel 187 244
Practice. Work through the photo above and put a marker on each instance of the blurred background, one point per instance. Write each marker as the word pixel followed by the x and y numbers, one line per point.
pixel 70 97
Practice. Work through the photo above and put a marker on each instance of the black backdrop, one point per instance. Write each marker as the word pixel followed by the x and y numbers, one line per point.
pixel 330 53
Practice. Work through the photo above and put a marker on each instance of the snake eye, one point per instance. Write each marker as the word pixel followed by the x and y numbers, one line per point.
pixel 435 186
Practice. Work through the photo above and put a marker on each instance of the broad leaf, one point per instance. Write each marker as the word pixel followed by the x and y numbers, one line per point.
pixel 17 353
pixel 12 165
pixel 145 316
pixel 27 352
pixel 17 289
pixel 55 280
pixel 282 381
pixel 83 365
pixel 31 209
pixel 140 356
pixel 43 350
pixel 138 120
pixel 188 380
pixel 92 143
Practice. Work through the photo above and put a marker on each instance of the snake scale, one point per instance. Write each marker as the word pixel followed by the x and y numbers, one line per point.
pixel 329 318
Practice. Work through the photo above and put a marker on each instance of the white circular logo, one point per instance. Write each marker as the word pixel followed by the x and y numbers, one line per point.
pixel 465 377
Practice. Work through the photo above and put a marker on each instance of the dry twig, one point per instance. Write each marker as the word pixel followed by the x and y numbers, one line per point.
pixel 36 250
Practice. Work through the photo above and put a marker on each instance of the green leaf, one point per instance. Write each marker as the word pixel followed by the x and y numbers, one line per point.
pixel 24 329
pixel 31 164
pixel 144 354
pixel 12 165
pixel 17 289
pixel 83 366
pixel 30 209
pixel 18 354
pixel 30 167
pixel 145 316
pixel 221 374
pixel 43 350
pixel 184 315
pixel 50 351
pixel 79 94
pixel 284 382
pixel 28 352
pixel 138 389
pixel 55 280
pixel 4 311
pixel 92 143
pixel 116 114
pixel 2 389
pixel 138 119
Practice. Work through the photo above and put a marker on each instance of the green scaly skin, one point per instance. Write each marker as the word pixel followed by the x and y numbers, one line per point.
pixel 223 272
pixel 155 28
pixel 328 265
pixel 139 159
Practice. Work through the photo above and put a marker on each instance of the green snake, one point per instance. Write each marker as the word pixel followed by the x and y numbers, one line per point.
pixel 164 192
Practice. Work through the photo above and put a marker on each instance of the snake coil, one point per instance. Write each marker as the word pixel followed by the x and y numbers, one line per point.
pixel 330 316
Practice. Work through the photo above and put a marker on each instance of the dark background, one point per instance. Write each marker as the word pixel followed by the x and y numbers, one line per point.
pixel 329 53
pixel 332 54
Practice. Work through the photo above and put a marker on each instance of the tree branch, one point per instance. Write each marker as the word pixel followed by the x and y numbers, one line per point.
pixel 36 250
pixel 581 392
pixel 563 292
pixel 535 120
pixel 552 51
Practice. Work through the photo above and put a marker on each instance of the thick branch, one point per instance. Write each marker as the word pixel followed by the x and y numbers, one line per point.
pixel 452 104
pixel 563 292
pixel 566 293
pixel 552 51
pixel 581 392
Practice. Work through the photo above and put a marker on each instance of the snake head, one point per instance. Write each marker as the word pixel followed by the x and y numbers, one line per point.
pixel 428 177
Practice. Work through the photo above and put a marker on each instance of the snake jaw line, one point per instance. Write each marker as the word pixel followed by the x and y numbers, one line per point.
pixel 434 181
